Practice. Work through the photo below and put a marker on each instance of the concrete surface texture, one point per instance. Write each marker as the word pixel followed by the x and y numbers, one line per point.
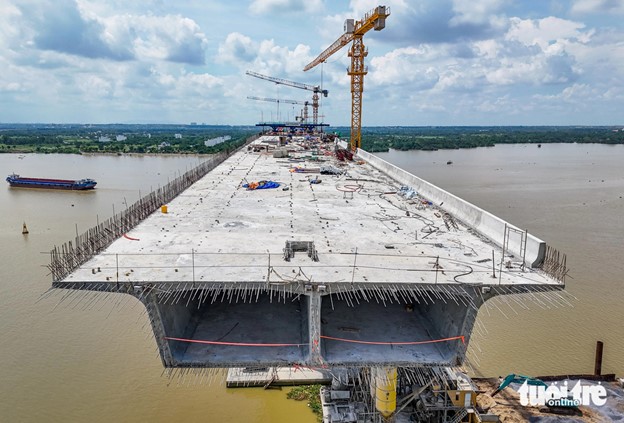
pixel 346 263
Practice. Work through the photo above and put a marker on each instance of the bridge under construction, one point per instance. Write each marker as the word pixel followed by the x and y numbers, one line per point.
pixel 337 263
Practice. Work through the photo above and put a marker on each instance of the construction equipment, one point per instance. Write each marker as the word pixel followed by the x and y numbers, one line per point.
pixel 556 402
pixel 514 378
pixel 316 89
pixel 304 112
pixel 354 31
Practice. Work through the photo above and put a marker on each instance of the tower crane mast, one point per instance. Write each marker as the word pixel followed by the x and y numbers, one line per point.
pixel 316 89
pixel 354 32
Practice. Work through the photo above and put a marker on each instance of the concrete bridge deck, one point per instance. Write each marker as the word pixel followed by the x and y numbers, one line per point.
pixel 362 229
pixel 345 269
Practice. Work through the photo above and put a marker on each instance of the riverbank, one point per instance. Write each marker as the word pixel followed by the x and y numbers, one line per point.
pixel 166 139
pixel 452 138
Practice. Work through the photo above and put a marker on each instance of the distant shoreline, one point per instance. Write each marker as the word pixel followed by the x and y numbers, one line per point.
pixel 89 153
pixel 376 148
pixel 164 140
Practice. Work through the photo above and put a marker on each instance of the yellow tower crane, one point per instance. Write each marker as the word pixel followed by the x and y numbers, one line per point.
pixel 354 31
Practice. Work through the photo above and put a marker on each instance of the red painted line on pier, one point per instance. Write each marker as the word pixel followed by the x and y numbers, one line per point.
pixel 431 341
pixel 354 341
pixel 234 344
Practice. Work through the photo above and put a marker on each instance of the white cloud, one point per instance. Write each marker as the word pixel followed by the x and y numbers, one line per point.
pixel 9 32
pixel 452 61
pixel 237 48
pixel 332 25
pixel 170 37
pixel 494 105
pixel 576 93
pixel 535 52
pixel 404 66
pixel 488 49
pixel 96 87
pixel 581 100
pixel 276 60
pixel 583 95
pixel 597 6
pixel 285 6
pixel 263 56
pixel 360 7
pixel 547 31
pixel 534 70
pixel 434 21
pixel 477 12
pixel 65 27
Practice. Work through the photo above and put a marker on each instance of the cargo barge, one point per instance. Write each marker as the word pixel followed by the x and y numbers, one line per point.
pixel 67 184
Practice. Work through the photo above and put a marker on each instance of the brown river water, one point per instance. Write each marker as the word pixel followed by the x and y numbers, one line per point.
pixel 99 363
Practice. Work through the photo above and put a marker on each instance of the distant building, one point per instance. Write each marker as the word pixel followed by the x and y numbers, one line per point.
pixel 121 138
pixel 104 139
pixel 215 141
pixel 178 136
pixel 163 145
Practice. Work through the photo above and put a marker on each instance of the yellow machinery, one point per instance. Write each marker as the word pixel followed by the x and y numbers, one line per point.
pixel 354 31
pixel 385 379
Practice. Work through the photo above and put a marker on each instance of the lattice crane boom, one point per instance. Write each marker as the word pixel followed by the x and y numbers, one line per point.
pixel 354 32
pixel 277 100
pixel 316 89
pixel 337 45
pixel 304 112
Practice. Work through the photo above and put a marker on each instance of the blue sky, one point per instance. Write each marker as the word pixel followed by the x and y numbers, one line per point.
pixel 438 62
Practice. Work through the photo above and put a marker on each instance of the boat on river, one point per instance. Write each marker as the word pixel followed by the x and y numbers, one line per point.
pixel 68 184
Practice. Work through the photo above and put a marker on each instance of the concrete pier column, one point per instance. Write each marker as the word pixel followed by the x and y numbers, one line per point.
pixel 314 327
pixel 159 329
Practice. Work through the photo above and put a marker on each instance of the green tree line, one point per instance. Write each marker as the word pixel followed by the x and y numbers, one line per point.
pixel 102 139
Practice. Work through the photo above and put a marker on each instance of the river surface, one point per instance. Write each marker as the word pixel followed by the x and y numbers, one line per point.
pixel 572 197
pixel 71 363
pixel 99 363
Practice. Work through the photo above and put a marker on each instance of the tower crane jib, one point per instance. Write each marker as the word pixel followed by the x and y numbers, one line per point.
pixel 305 104
pixel 316 90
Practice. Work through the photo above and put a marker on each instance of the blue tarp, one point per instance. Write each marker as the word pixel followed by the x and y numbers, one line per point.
pixel 261 185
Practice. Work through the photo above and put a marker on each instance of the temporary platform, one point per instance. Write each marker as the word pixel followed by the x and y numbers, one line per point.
pixel 276 376
pixel 292 126
pixel 345 263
